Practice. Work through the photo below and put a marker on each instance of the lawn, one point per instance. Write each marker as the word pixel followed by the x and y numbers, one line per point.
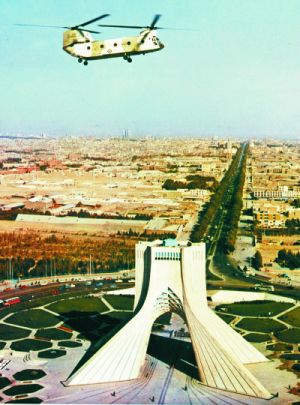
pixel 255 308
pixel 120 301
pixel 82 304
pixel 225 317
pixel 280 347
pixel 69 343
pixel 8 332
pixel 29 374
pixel 93 327
pixel 290 356
pixel 30 344
pixel 23 389
pixel 164 319
pixel 120 315
pixel 53 333
pixel 289 335
pixel 257 337
pixel 296 367
pixel 292 317
pixel 4 382
pixel 260 325
pixel 33 318
pixel 31 400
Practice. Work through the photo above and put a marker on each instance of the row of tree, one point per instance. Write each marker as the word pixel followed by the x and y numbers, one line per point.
pixel 206 216
pixel 28 267
pixel 192 182
pixel 234 207
pixel 34 254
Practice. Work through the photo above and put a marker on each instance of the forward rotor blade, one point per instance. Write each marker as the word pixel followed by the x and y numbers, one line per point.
pixel 91 31
pixel 93 20
pixel 120 26
pixel 41 26
pixel 57 26
pixel 154 21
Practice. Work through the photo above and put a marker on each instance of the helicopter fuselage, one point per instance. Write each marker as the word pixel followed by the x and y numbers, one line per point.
pixel 82 46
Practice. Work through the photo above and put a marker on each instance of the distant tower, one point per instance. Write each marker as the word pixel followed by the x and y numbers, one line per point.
pixel 125 134
pixel 171 277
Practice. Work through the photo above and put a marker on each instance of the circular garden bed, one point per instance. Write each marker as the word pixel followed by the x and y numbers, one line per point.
pixel 23 389
pixel 29 374
pixel 52 354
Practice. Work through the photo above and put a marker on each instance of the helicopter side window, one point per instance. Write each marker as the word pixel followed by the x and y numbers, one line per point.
pixel 102 46
pixel 115 44
pixel 128 43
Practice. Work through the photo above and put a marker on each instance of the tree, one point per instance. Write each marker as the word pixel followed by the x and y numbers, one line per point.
pixel 257 261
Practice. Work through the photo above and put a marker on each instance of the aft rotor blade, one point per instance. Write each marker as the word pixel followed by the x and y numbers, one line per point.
pixel 93 20
pixel 121 26
pixel 154 21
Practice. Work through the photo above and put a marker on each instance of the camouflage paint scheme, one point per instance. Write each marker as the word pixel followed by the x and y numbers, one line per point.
pixel 81 45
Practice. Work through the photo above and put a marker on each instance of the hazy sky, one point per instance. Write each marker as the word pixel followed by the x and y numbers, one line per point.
pixel 239 74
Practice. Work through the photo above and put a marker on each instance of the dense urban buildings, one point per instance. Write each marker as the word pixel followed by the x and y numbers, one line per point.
pixel 88 223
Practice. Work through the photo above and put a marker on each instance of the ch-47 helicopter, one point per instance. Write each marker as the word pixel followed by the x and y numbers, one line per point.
pixel 78 42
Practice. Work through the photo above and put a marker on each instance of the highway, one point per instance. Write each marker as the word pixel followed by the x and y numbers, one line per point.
pixel 214 231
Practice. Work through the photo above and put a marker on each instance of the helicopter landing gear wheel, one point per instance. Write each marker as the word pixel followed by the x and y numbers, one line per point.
pixel 85 63
pixel 79 60
pixel 129 60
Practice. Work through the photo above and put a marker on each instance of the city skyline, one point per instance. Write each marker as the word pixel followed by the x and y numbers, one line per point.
pixel 234 75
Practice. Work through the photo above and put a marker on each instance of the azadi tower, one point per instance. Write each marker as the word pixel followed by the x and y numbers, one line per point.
pixel 171 277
